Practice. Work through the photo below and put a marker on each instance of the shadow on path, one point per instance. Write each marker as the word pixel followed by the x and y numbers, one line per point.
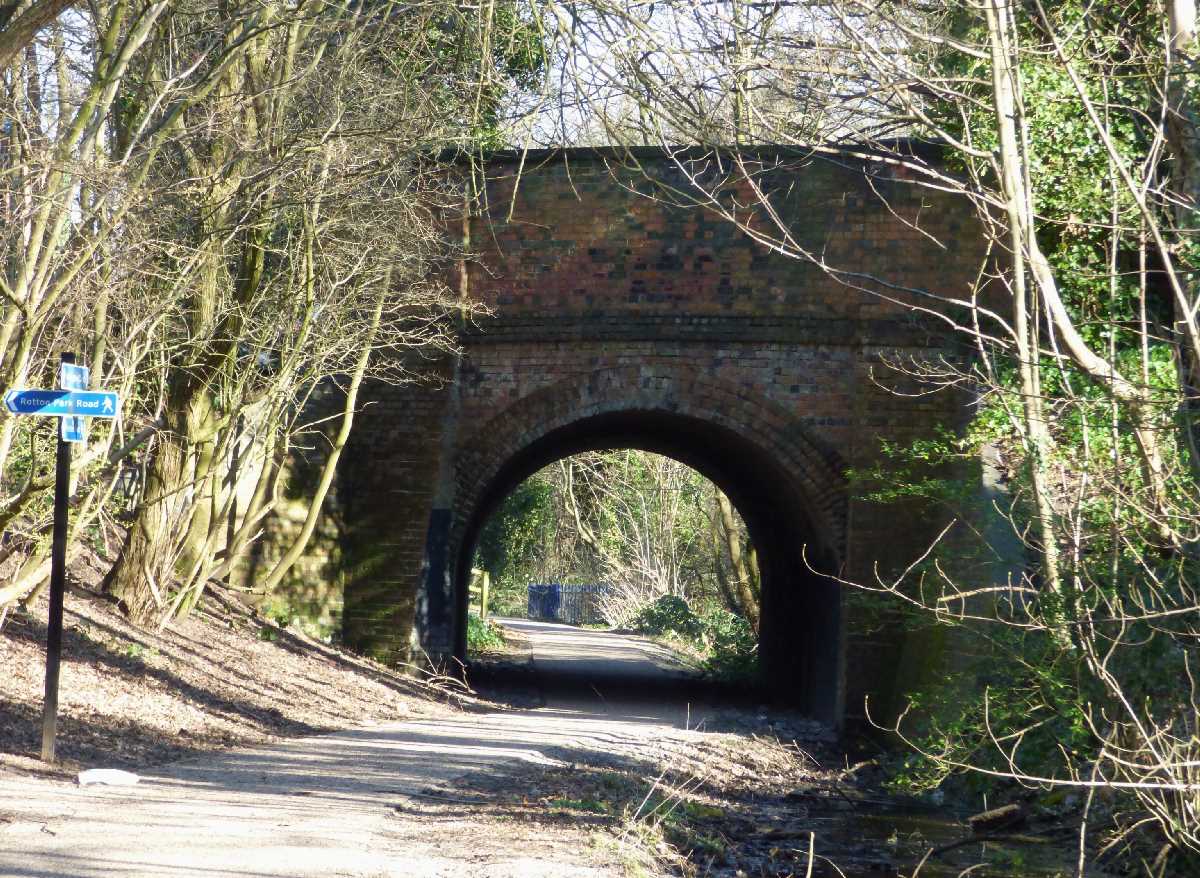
pixel 327 805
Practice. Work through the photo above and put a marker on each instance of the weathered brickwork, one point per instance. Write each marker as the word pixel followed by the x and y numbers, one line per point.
pixel 618 320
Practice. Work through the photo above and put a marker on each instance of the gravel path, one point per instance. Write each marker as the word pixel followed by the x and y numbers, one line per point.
pixel 579 785
pixel 335 804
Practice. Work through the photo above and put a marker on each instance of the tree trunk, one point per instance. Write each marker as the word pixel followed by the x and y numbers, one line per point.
pixel 718 556
pixel 204 493
pixel 1183 136
pixel 146 567
pixel 1025 319
pixel 18 30
pixel 741 569
pixel 143 575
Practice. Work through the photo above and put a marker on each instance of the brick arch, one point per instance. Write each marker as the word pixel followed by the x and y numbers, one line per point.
pixel 788 488
pixel 818 469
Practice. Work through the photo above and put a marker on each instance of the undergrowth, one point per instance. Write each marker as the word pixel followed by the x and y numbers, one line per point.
pixel 483 635
pixel 724 643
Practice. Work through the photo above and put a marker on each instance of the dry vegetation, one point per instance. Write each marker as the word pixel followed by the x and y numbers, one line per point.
pixel 738 802
pixel 222 677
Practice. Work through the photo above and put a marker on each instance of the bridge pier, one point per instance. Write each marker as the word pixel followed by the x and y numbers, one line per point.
pixel 395 516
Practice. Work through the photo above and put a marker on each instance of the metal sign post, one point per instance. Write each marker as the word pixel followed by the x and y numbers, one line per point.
pixel 72 404
pixel 58 581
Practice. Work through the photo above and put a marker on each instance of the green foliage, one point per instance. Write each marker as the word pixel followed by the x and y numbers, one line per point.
pixel 942 468
pixel 483 635
pixel 669 614
pixel 638 520
pixel 732 646
pixel 513 541
pixel 727 644
pixel 1029 682
pixel 1077 194
pixel 490 56
pixel 1036 686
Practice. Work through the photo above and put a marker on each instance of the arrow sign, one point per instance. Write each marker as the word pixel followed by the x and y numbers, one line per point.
pixel 62 403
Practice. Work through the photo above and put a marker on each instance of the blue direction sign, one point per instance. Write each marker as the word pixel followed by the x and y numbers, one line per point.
pixel 72 428
pixel 59 403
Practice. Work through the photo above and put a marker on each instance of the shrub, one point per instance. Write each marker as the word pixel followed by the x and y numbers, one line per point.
pixel 726 640
pixel 483 635
pixel 732 646
pixel 668 614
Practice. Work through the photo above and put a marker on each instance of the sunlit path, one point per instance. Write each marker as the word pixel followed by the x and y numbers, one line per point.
pixel 320 806
pixel 604 673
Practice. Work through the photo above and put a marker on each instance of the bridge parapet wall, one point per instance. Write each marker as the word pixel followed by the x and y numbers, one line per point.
pixel 577 233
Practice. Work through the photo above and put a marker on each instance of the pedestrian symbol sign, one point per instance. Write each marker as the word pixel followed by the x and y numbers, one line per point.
pixel 72 403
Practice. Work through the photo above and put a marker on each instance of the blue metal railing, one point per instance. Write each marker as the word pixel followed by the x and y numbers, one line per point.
pixel 572 604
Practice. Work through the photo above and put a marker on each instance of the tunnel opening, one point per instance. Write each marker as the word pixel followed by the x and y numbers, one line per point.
pixel 800 631
pixel 615 541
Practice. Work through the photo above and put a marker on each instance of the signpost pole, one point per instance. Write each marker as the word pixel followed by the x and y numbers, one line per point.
pixel 58 578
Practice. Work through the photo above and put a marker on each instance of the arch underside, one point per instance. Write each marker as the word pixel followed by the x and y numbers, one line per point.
pixel 789 491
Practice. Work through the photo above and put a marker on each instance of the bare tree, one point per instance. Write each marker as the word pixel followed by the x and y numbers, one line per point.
pixel 228 206
pixel 306 206
pixel 1100 440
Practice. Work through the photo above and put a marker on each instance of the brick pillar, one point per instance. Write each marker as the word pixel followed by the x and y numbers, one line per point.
pixel 387 488
pixel 437 617
pixel 887 655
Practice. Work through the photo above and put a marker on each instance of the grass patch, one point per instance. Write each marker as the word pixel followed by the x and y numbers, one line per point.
pixel 592 806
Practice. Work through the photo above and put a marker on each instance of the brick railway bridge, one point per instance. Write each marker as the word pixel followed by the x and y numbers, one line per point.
pixel 621 321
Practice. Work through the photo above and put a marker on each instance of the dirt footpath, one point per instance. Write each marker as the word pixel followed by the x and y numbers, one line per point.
pixel 319 806
pixel 370 801
pixel 618 766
